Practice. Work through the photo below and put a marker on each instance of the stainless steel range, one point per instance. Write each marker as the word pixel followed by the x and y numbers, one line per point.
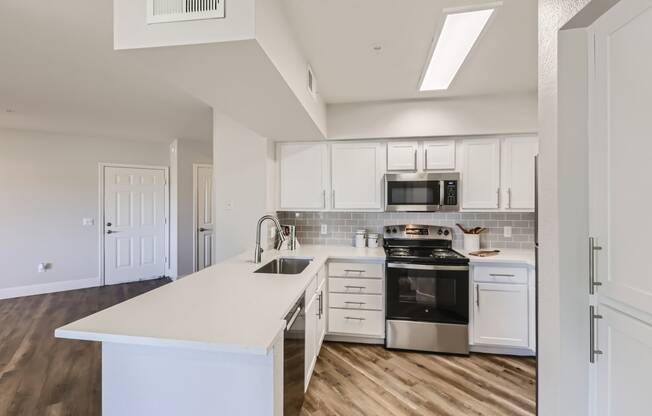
pixel 427 290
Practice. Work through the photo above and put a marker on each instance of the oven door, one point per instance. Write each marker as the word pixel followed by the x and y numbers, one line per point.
pixel 427 293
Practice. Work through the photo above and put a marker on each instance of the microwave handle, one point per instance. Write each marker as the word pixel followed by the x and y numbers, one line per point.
pixel 442 193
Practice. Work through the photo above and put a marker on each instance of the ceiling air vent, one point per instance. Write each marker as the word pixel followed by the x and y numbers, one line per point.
pixel 162 11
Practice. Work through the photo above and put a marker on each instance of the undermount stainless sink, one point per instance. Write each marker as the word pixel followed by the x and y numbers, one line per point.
pixel 285 266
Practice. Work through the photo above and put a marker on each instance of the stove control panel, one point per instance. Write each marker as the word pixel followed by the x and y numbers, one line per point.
pixel 418 232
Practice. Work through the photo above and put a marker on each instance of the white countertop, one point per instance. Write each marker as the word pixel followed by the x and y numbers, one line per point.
pixel 506 256
pixel 225 307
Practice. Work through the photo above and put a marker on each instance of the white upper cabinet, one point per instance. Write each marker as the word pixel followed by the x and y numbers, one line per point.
pixel 518 172
pixel 303 175
pixel 402 156
pixel 439 155
pixel 481 174
pixel 357 173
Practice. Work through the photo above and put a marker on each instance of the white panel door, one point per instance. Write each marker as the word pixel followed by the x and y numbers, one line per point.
pixel 205 226
pixel 517 166
pixel 357 172
pixel 481 174
pixel 402 156
pixel 134 219
pixel 620 174
pixel 303 171
pixel 500 316
pixel 624 368
pixel 620 150
pixel 311 336
pixel 439 155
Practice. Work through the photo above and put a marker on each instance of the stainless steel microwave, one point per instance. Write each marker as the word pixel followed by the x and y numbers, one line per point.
pixel 422 192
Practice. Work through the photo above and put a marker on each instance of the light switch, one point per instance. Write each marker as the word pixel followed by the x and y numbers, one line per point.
pixel 324 229
pixel 229 205
pixel 507 232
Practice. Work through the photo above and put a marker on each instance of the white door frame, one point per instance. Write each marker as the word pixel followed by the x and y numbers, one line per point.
pixel 101 169
pixel 195 168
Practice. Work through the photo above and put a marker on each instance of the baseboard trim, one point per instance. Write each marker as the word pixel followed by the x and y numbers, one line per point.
pixel 44 288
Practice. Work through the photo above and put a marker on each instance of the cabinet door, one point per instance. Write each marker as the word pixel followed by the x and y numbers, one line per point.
pixel 303 175
pixel 402 156
pixel 517 167
pixel 481 174
pixel 439 155
pixel 311 336
pixel 624 368
pixel 322 307
pixel 500 315
pixel 357 170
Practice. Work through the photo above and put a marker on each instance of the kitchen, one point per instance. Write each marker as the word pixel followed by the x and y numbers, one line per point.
pixel 415 289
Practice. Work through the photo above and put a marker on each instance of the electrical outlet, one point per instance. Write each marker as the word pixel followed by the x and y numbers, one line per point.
pixel 44 267
pixel 507 232
pixel 324 229
pixel 88 222
pixel 229 206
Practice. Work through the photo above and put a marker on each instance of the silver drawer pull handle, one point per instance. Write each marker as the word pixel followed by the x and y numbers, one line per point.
pixel 593 351
pixel 355 287
pixel 501 275
pixel 355 303
pixel 354 271
pixel 351 318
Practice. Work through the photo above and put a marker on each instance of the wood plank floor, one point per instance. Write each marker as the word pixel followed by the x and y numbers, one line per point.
pixel 354 380
pixel 44 376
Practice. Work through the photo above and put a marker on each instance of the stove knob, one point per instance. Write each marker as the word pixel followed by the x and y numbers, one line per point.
pixel 394 230
pixel 440 232
pixel 446 233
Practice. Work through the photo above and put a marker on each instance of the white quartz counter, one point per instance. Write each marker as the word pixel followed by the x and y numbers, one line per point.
pixel 226 307
pixel 506 256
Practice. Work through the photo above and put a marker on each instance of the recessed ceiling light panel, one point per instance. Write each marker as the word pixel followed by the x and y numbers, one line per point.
pixel 458 36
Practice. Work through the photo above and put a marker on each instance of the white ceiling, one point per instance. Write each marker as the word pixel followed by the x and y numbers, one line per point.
pixel 338 38
pixel 59 72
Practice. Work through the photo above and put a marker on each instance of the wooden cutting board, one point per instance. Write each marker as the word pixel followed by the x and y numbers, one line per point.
pixel 484 253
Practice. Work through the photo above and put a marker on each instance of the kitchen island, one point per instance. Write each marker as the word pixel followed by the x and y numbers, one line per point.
pixel 210 343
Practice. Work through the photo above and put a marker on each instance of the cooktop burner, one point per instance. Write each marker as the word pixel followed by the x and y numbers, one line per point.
pixel 421 243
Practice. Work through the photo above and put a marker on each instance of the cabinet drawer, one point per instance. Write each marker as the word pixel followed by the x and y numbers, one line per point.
pixel 359 270
pixel 344 321
pixel 358 286
pixel 492 274
pixel 350 301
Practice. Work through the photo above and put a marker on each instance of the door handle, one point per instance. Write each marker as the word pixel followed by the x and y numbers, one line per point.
pixel 593 351
pixel 201 230
pixel 477 295
pixel 592 249
pixel 111 232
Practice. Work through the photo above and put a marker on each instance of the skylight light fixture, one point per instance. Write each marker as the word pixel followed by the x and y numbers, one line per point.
pixel 458 35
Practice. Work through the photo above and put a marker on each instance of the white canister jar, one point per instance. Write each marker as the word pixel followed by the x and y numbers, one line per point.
pixel 360 237
pixel 471 242
pixel 372 240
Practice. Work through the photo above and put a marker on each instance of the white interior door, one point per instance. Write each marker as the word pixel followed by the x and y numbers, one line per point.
pixel 205 226
pixel 620 177
pixel 134 224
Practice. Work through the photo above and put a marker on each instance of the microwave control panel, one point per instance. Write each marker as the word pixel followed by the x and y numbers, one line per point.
pixel 450 193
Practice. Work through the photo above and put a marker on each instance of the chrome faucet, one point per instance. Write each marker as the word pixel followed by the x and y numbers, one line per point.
pixel 259 250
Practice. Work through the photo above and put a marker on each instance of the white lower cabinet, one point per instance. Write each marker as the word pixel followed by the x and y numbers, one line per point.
pixel 502 314
pixel 356 305
pixel 315 323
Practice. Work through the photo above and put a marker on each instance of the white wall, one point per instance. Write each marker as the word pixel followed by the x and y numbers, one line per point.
pixel 48 184
pixel 441 117
pixel 241 169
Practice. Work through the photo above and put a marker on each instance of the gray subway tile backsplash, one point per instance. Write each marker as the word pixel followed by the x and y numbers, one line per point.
pixel 342 226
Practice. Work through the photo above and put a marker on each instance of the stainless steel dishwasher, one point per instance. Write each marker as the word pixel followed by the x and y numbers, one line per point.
pixel 294 351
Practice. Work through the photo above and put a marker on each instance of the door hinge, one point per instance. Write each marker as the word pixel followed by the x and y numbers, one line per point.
pixel 166 259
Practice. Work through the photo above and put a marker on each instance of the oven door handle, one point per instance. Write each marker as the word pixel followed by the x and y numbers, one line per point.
pixel 408 266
